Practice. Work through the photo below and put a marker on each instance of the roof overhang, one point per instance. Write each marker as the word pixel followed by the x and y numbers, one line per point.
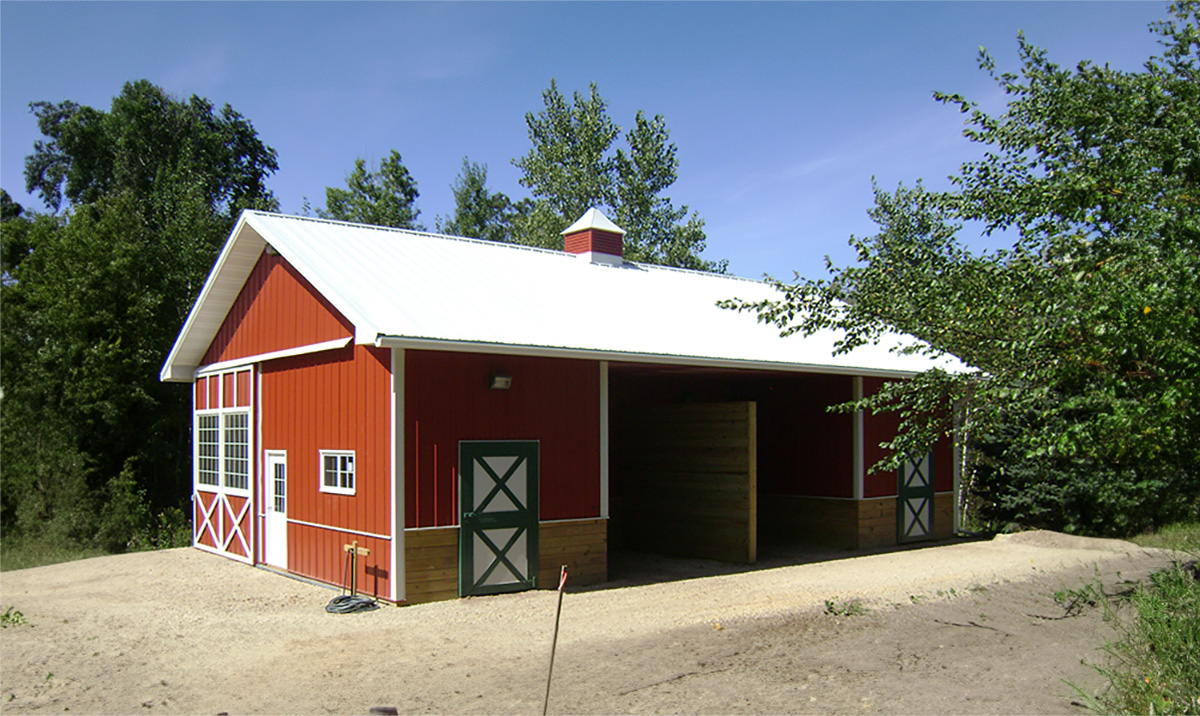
pixel 221 289
pixel 435 344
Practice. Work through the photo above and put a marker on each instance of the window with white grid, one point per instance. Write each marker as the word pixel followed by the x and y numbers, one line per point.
pixel 279 492
pixel 223 449
pixel 337 471
pixel 236 448
pixel 208 450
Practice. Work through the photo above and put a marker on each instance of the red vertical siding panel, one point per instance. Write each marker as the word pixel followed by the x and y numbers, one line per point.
pixel 227 390
pixel 878 429
pixel 214 393
pixel 276 309
pixel 554 401
pixel 201 394
pixel 335 400
pixel 243 389
pixel 943 465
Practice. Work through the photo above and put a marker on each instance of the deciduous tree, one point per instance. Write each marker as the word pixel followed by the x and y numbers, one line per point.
pixel 386 196
pixel 478 212
pixel 1084 336
pixel 573 166
pixel 143 195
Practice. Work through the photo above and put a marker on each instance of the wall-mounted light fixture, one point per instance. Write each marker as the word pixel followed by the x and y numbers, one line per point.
pixel 499 381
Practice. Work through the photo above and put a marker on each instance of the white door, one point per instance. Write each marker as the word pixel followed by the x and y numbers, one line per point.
pixel 275 532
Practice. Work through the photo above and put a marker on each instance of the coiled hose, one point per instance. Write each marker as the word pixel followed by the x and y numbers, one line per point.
pixel 349 603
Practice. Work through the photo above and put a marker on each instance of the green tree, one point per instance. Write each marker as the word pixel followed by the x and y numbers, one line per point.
pixel 654 232
pixel 573 166
pixel 90 440
pixel 383 197
pixel 1084 336
pixel 145 139
pixel 13 242
pixel 478 212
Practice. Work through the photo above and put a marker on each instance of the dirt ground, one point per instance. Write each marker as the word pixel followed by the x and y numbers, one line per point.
pixel 964 628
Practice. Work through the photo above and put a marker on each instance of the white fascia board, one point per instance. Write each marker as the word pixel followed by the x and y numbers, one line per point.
pixel 434 344
pixel 173 370
pixel 273 355
pixel 175 373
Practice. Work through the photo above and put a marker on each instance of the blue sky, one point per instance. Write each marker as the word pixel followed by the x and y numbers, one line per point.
pixel 782 111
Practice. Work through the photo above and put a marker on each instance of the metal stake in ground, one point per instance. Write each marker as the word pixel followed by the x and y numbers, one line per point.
pixel 562 582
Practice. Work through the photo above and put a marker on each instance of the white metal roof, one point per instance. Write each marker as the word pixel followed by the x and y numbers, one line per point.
pixel 408 289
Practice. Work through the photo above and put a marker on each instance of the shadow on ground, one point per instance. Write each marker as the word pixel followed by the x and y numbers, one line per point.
pixel 633 569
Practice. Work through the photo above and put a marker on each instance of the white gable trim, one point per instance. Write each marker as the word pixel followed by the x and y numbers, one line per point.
pixel 221 289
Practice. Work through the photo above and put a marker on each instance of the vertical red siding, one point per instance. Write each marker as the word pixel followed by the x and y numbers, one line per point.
pixel 201 394
pixel 320 554
pixel 243 389
pixel 878 429
pixel 276 309
pixel 883 428
pixel 335 400
pixel 943 465
pixel 554 401
pixel 816 445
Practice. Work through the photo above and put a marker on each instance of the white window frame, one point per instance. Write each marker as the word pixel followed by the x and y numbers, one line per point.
pixel 222 415
pixel 208 464
pixel 338 489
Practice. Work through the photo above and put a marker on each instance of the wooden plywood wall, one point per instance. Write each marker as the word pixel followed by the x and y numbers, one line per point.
pixel 689 480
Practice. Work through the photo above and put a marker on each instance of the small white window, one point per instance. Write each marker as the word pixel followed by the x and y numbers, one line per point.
pixel 337 471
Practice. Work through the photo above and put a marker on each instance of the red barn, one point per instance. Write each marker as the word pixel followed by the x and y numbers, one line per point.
pixel 477 414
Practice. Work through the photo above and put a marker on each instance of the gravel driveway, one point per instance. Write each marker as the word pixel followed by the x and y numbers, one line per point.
pixel 969 627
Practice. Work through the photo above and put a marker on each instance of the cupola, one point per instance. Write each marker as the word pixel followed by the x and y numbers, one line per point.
pixel 595 238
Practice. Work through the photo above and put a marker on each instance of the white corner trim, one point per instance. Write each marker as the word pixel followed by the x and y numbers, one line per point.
pixel 273 355
pixel 604 439
pixel 859 441
pixel 398 584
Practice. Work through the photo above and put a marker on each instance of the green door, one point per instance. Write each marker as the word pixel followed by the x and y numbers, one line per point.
pixel 498 516
pixel 914 512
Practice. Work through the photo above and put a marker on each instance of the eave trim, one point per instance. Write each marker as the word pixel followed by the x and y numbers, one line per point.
pixel 436 344
pixel 273 355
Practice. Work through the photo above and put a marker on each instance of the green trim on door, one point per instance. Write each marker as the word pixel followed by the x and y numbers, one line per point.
pixel 498 516
pixel 914 507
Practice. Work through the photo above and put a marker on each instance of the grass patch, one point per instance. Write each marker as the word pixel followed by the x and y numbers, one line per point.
pixel 1184 537
pixel 1154 665
pixel 12 617
pixel 847 608
pixel 169 528
pixel 23 553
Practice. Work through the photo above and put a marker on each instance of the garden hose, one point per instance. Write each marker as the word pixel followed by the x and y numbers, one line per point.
pixel 349 603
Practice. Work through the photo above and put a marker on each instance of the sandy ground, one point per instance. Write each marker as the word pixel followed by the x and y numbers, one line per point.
pixel 969 627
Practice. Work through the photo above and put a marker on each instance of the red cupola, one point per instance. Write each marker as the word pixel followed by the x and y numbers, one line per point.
pixel 595 238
